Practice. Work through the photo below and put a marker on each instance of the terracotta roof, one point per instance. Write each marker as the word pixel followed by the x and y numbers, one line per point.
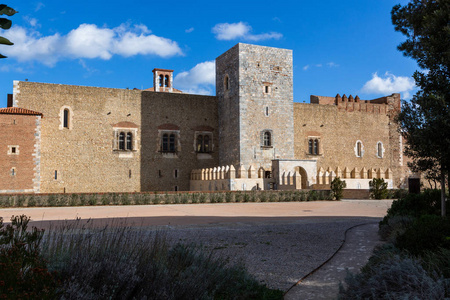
pixel 203 128
pixel 168 126
pixel 152 89
pixel 19 111
pixel 125 124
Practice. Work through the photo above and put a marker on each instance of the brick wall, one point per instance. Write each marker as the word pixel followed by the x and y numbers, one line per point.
pixel 18 131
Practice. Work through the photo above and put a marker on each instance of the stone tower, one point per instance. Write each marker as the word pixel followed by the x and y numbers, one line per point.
pixel 254 87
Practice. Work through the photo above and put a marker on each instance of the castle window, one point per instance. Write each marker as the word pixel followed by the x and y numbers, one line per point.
pixel 226 83
pixel 124 138
pixel 168 142
pixel 161 80
pixel 129 173
pixel 266 138
pixel 13 150
pixel 175 173
pixel 359 149
pixel 267 111
pixel 129 141
pixel 176 188
pixel 380 150
pixel 313 146
pixel 204 143
pixel 66 117
pixel 266 89
pixel 56 175
pixel 13 172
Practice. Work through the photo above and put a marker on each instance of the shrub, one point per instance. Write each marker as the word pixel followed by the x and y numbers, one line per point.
pixel 313 196
pixel 393 227
pixel 92 199
pixel 126 263
pixel 337 188
pixel 73 201
pixel 228 197
pixel 23 272
pixel 393 276
pixel 125 199
pixel 83 199
pixel 194 198
pixel 32 201
pixel 378 188
pixel 52 200
pixel 156 199
pixel 105 200
pixel 429 232
pixel 202 198
pixel 263 196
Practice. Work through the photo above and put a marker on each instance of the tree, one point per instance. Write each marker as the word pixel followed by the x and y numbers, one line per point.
pixel 378 188
pixel 425 120
pixel 5 24
pixel 337 188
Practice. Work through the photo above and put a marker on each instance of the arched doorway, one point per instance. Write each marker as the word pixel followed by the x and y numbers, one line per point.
pixel 304 176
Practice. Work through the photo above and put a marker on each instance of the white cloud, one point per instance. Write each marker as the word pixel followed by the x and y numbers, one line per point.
pixel 87 41
pixel 32 21
pixel 227 31
pixel 189 30
pixel 198 80
pixel 305 67
pixel 389 84
pixel 39 5
pixel 332 65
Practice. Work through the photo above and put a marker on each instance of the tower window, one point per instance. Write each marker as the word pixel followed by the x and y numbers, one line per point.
pixel 267 111
pixel 226 83
pixel 175 173
pixel 56 175
pixel 161 80
pixel 266 138
pixel 13 172
pixel 66 117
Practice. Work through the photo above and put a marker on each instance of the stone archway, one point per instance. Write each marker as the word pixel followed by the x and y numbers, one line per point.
pixel 304 176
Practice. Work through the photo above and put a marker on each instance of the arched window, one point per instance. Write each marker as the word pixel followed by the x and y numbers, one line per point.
pixel 166 81
pixel 358 149
pixel 172 142
pixel 267 139
pixel 122 141
pixel 227 83
pixel 380 149
pixel 129 141
pixel 66 118
pixel 161 80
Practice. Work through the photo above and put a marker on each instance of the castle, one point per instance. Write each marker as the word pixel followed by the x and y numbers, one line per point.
pixel 61 138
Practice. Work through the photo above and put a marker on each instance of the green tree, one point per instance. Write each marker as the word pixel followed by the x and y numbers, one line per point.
pixel 5 24
pixel 378 188
pixel 425 120
pixel 337 188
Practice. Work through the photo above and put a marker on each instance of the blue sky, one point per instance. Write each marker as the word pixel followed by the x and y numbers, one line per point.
pixel 346 47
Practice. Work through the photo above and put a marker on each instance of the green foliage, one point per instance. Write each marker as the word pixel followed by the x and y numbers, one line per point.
pixel 228 197
pixel 378 188
pixel 425 203
pixel 5 24
pixel 424 120
pixel 429 232
pixel 337 188
pixel 23 272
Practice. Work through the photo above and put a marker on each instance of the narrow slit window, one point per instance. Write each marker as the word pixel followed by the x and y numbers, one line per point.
pixel 56 174
pixel 66 118
pixel 175 173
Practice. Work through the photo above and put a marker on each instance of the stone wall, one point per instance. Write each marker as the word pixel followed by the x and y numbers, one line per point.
pixel 19 167
pixel 187 116
pixel 338 130
pixel 82 158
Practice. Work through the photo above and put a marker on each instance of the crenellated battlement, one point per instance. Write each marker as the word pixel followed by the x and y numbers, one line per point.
pixel 381 105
